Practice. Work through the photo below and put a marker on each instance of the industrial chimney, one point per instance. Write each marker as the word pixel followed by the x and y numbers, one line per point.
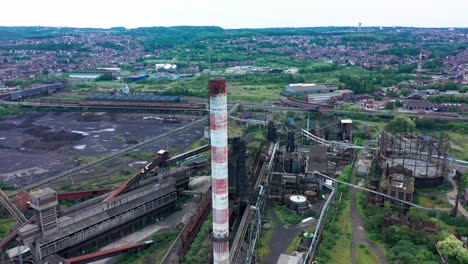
pixel 219 169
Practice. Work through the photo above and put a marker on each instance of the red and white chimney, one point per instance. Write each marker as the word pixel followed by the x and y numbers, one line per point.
pixel 219 169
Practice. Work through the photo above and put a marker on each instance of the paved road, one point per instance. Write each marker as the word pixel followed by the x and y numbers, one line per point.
pixel 359 235
pixel 283 235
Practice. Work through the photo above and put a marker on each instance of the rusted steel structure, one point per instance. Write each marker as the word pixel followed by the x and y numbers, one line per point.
pixel 104 254
pixel 219 169
pixel 425 158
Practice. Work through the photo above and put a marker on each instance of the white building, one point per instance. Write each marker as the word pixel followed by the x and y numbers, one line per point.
pixel 161 67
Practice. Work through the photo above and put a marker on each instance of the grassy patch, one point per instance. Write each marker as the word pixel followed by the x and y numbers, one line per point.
pixel 285 216
pixel 294 244
pixel 366 255
pixel 87 159
pixel 433 201
pixel 459 145
pixel 162 242
pixel 341 252
pixel 114 180
pixel 201 246
pixel 5 226
pixel 61 96
pixel 198 143
pixel 234 129
pixel 256 93
pixel 265 237
pixel 10 110
pixel 141 155
pixel 361 197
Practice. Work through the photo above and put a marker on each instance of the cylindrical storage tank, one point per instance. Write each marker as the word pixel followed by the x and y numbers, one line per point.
pixel 307 238
pixel 297 203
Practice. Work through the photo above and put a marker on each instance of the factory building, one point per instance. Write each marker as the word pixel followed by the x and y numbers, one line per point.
pixel 309 88
pixel 396 182
pixel 32 91
pixel 52 234
pixel 323 97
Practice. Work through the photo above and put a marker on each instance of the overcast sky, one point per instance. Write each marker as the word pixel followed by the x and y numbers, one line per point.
pixel 234 13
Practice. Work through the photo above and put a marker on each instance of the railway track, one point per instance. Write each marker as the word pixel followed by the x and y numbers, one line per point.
pixel 112 105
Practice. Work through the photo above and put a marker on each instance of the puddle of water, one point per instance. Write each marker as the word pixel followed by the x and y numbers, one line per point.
pixel 80 132
pixel 80 147
pixel 105 130
pixel 2 138
pixel 153 117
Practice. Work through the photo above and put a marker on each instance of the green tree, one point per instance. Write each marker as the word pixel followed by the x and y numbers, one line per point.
pixel 451 247
pixel 464 180
pixel 6 186
pixel 106 77
pixel 401 124
pixel 390 105
pixel 409 253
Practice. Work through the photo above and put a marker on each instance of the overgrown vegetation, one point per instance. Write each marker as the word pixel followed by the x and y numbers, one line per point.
pixel 200 250
pixel 6 186
pixel 366 255
pixel 266 236
pixel 6 110
pixel 408 245
pixel 449 98
pixel 5 226
pixel 285 216
pixel 336 237
pixel 154 254
pixel 38 79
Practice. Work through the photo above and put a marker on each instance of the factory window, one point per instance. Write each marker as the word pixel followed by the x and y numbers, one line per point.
pixel 409 197
pixel 50 249
pixel 393 193
pixel 400 195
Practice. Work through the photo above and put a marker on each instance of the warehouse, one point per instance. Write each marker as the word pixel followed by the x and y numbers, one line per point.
pixel 309 88
pixel 33 90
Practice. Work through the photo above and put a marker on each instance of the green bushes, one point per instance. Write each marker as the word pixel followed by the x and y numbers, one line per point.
pixel 401 124
pixel 448 98
pixel 5 226
pixel 407 252
pixel 451 247
pixel 162 242
pixel 334 231
pixel 6 186
pixel 10 110
pixel 440 125
pixel 200 250
pixel 285 216
pixel 106 77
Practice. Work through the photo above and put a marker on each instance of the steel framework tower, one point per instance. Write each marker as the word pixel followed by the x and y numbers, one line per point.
pixel 219 169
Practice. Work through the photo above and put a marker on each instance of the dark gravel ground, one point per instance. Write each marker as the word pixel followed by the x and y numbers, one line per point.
pixel 39 144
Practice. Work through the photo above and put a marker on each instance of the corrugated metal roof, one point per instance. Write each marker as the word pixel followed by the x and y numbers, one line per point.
pixel 288 259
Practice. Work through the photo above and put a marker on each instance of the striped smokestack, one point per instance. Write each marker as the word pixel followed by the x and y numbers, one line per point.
pixel 219 169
